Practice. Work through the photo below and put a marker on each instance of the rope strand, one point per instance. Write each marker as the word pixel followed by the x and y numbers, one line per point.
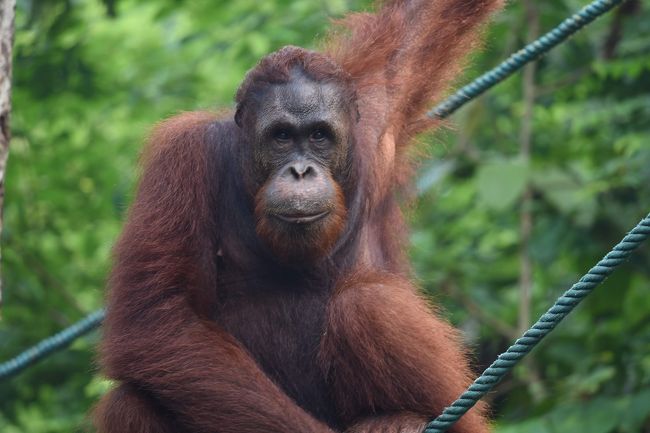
pixel 519 59
pixel 549 320
pixel 51 344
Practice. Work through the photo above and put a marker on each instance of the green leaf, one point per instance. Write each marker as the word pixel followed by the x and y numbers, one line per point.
pixel 501 183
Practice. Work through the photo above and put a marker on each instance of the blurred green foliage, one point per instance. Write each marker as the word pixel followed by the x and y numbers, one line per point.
pixel 91 77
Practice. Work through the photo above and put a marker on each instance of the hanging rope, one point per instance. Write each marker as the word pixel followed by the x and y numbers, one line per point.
pixel 51 344
pixel 527 54
pixel 549 320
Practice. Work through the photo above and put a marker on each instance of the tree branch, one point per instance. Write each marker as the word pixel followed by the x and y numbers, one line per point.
pixel 7 14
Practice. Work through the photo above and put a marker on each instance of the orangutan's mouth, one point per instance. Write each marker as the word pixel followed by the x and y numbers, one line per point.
pixel 301 218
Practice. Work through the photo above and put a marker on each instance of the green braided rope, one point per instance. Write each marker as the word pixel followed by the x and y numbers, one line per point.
pixel 51 344
pixel 517 61
pixel 549 320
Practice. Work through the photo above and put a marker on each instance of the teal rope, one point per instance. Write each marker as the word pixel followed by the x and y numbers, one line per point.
pixel 517 61
pixel 52 344
pixel 563 306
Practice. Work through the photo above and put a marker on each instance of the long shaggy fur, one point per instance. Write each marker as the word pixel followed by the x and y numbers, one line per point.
pixel 207 331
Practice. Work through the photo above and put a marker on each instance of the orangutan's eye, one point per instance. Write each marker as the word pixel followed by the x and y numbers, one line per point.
pixel 282 135
pixel 317 135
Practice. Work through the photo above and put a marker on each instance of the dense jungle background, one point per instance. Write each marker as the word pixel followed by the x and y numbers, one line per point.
pixel 518 196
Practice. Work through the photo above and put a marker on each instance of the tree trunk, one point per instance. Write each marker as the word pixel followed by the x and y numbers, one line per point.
pixel 7 13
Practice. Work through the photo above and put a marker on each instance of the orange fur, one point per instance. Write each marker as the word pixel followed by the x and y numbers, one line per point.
pixel 206 331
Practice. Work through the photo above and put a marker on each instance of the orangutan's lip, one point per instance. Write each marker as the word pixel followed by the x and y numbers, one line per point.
pixel 298 218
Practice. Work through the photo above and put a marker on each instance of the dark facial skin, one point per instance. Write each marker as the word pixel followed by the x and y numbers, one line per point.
pixel 300 135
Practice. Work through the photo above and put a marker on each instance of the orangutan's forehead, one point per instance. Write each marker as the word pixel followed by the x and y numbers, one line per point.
pixel 302 97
